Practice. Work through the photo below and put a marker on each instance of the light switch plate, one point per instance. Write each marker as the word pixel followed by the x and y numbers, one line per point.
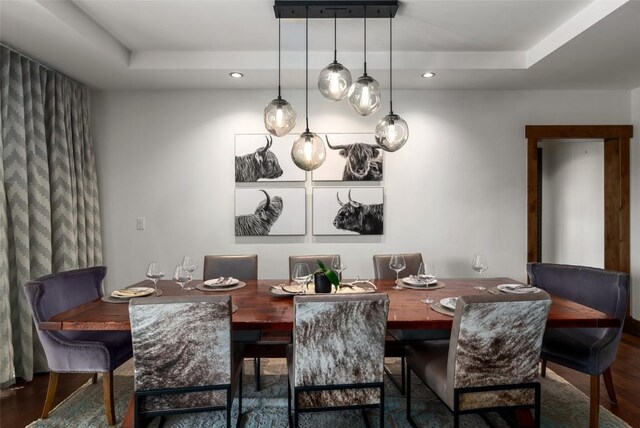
pixel 140 223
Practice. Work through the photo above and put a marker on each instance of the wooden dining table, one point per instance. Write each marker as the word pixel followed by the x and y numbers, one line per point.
pixel 259 309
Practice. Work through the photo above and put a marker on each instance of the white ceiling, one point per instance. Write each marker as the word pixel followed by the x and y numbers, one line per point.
pixel 542 44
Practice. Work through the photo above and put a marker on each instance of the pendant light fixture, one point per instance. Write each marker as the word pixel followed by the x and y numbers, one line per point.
pixel 364 94
pixel 308 150
pixel 279 115
pixel 392 131
pixel 334 80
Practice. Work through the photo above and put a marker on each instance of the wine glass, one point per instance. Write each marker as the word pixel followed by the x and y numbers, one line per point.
pixel 426 272
pixel 301 275
pixel 397 263
pixel 338 264
pixel 181 276
pixel 154 273
pixel 189 264
pixel 479 263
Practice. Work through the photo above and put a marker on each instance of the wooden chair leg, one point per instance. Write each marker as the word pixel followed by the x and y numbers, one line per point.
pixel 256 369
pixel 51 393
pixel 94 378
pixel 543 368
pixel 107 387
pixel 608 382
pixel 594 402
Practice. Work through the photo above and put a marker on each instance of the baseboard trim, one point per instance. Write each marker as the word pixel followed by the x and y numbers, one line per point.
pixel 632 326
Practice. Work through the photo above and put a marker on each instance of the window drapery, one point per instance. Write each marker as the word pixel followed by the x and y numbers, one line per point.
pixel 49 211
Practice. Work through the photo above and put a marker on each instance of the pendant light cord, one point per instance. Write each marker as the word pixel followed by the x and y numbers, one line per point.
pixel 391 64
pixel 279 37
pixel 306 68
pixel 365 40
pixel 335 38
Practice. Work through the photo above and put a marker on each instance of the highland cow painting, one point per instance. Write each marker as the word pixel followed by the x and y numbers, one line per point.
pixel 350 157
pixel 348 211
pixel 262 157
pixel 268 212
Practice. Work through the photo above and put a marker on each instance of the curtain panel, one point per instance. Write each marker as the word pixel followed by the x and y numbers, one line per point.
pixel 49 211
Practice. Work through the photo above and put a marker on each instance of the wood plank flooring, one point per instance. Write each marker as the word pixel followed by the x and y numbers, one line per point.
pixel 22 403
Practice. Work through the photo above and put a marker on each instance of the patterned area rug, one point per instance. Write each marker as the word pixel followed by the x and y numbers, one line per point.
pixel 562 406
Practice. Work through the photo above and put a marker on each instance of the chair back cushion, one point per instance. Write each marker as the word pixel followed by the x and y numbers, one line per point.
pixel 310 261
pixel 604 290
pixel 382 270
pixel 242 267
pixel 56 293
pixel 496 340
pixel 339 340
pixel 178 342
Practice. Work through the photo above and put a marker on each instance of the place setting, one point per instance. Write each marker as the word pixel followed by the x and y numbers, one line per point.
pixel 423 279
pixel 514 289
pixel 221 284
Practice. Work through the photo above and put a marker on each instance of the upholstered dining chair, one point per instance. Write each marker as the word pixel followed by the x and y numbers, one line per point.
pixel 76 351
pixel 401 338
pixel 183 356
pixel 310 261
pixel 491 361
pixel 336 359
pixel 587 350
pixel 243 267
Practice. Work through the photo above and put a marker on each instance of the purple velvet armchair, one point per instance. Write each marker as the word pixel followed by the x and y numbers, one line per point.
pixel 76 351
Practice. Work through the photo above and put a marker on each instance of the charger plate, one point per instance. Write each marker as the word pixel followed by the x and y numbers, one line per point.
pixel 203 287
pixel 110 299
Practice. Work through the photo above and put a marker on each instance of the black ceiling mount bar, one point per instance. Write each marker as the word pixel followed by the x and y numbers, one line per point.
pixel 335 8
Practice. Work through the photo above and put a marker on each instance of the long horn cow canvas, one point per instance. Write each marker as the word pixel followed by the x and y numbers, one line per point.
pixel 348 211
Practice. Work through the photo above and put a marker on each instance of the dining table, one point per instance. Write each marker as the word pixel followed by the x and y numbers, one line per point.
pixel 259 308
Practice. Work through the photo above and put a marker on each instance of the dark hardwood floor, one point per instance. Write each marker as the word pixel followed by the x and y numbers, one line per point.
pixel 22 403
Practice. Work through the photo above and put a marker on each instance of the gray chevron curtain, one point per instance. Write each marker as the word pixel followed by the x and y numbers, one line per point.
pixel 49 213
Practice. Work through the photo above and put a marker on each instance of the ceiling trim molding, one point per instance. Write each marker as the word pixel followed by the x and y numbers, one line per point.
pixel 574 26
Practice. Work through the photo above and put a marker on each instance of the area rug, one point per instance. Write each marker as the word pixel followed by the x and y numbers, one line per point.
pixel 562 406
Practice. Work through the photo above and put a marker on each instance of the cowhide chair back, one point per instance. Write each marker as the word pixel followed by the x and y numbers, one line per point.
pixel 496 340
pixel 338 340
pixel 180 342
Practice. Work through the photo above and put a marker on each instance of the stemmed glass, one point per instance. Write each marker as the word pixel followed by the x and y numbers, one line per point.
pixel 426 272
pixel 338 264
pixel 479 263
pixel 397 263
pixel 301 275
pixel 154 273
pixel 181 276
pixel 190 265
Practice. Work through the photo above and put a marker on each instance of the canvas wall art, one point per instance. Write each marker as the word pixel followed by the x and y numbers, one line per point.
pixel 260 157
pixel 348 211
pixel 350 157
pixel 276 211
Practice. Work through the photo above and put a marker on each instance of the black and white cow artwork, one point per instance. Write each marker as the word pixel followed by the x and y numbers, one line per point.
pixel 357 217
pixel 363 162
pixel 262 163
pixel 260 222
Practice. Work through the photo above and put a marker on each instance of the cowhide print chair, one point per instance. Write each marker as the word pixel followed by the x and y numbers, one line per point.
pixel 491 361
pixel 245 268
pixel 337 355
pixel 184 358
pixel 587 350
pixel 76 351
pixel 398 339
pixel 310 261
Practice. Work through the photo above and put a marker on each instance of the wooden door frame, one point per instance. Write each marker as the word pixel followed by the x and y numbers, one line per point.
pixel 616 188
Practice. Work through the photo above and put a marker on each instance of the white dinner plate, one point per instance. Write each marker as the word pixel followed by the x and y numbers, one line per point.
pixel 216 283
pixel 517 289
pixel 412 280
pixel 128 293
pixel 449 302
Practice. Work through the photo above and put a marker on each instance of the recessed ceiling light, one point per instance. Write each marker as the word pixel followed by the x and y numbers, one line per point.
pixel 428 75
pixel 236 75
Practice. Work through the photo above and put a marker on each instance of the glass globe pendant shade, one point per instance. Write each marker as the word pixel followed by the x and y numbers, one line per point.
pixel 392 132
pixel 308 151
pixel 364 95
pixel 334 81
pixel 279 117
